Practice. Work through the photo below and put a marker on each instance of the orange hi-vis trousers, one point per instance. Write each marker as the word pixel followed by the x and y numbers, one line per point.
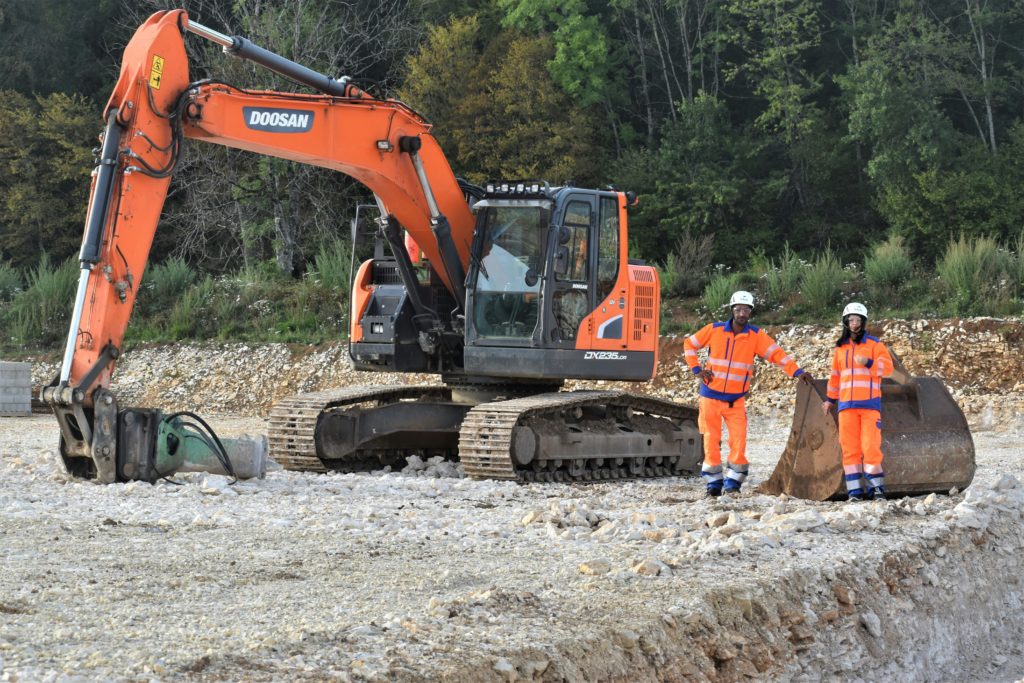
pixel 860 435
pixel 709 421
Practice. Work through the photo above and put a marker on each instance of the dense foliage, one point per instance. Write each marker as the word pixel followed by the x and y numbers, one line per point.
pixel 756 131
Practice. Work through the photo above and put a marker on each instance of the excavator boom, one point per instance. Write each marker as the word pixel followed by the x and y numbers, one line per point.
pixel 153 108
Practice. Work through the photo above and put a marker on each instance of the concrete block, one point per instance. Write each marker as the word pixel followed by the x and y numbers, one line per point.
pixel 15 388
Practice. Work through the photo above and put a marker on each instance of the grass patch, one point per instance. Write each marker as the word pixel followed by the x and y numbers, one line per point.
pixel 332 265
pixel 10 282
pixel 39 316
pixel 822 282
pixel 718 291
pixel 888 270
pixel 974 272
pixel 778 280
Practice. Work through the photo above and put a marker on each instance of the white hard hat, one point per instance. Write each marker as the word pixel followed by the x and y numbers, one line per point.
pixel 742 297
pixel 855 308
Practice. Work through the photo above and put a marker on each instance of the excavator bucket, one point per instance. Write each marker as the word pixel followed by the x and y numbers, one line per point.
pixel 925 440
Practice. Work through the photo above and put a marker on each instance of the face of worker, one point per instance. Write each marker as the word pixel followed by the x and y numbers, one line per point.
pixel 854 322
pixel 741 313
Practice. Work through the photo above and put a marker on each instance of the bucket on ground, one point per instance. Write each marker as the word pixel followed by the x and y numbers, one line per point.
pixel 926 443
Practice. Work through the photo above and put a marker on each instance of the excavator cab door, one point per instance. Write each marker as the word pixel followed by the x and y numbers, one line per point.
pixel 571 292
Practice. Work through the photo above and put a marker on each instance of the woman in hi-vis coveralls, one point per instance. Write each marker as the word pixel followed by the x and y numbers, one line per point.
pixel 859 362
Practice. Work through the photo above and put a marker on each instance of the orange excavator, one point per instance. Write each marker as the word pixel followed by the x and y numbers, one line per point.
pixel 521 286
pixel 505 291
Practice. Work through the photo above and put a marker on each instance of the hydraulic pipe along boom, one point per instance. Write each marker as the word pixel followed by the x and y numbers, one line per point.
pixel 246 49
pixel 99 209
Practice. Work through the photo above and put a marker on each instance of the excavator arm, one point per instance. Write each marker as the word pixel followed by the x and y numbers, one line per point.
pixel 154 107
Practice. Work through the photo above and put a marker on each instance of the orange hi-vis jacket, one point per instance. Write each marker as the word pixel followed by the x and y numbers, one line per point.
pixel 731 358
pixel 859 386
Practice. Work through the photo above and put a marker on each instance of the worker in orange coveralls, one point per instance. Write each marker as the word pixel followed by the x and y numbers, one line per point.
pixel 725 381
pixel 859 362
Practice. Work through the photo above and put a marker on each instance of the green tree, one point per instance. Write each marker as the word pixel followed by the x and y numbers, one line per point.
pixel 580 65
pixel 57 46
pixel 436 79
pixel 45 160
pixel 496 111
pixel 920 110
pixel 707 177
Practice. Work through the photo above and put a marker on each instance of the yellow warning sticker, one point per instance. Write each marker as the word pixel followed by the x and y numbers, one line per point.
pixel 156 73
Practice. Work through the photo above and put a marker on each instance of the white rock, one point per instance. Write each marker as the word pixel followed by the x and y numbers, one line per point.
pixel 651 566
pixel 595 567
pixel 505 668
pixel 626 639
pixel 1006 482
pixel 872 623
pixel 801 521
pixel 717 520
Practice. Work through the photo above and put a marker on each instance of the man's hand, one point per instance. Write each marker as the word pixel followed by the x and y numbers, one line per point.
pixel 806 378
pixel 861 360
pixel 826 406
pixel 706 375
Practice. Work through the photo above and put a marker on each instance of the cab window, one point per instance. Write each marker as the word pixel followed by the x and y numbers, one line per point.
pixel 577 220
pixel 607 247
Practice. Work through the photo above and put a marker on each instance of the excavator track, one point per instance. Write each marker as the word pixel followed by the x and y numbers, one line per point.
pixel 494 437
pixel 292 431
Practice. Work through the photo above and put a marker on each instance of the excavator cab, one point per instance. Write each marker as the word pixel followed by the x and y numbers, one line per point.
pixel 550 295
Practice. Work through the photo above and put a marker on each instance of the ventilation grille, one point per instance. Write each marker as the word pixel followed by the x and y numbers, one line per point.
pixel 643 309
pixel 645 274
pixel 386 273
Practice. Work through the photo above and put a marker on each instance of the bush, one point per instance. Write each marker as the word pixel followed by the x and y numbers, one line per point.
pixel 171 279
pixel 718 291
pixel 687 268
pixel 822 282
pixel 781 280
pixel 164 285
pixel 10 282
pixel 1017 266
pixel 972 271
pixel 41 313
pixel 191 318
pixel 889 269
pixel 333 265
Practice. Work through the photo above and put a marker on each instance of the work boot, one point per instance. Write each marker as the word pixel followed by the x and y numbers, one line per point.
pixel 713 492
pixel 878 493
pixel 731 487
pixel 856 496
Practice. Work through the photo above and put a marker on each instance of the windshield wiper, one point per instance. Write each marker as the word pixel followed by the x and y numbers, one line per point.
pixel 478 262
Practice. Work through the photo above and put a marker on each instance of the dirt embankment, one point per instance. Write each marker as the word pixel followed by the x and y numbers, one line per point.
pixel 981 360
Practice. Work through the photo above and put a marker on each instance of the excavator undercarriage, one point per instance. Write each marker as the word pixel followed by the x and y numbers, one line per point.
pixel 581 436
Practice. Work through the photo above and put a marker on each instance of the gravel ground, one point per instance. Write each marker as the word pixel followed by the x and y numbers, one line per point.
pixel 411 576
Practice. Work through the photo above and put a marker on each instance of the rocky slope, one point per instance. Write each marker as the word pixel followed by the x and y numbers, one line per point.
pixel 981 360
